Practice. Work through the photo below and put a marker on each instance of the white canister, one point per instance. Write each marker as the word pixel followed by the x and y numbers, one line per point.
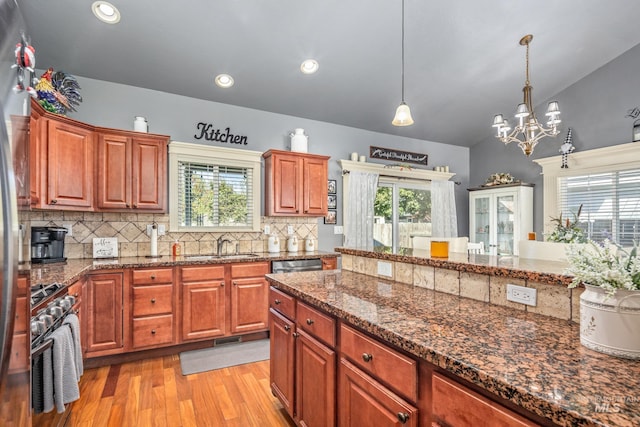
pixel 299 141
pixel 309 246
pixel 274 244
pixel 610 324
pixel 354 157
pixel 140 124
pixel 292 244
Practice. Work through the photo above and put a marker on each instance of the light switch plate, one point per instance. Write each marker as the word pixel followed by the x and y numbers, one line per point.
pixel 69 228
pixel 289 229
pixel 385 269
pixel 267 229
pixel 337 229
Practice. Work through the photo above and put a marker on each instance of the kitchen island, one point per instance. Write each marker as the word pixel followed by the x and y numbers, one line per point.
pixel 516 358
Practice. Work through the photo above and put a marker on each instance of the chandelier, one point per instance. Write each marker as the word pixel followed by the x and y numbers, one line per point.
pixel 528 131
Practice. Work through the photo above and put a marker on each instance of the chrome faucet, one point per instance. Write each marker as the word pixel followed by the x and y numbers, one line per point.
pixel 220 243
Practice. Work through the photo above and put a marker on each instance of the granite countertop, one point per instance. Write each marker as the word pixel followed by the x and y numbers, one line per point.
pixel 534 361
pixel 71 270
pixel 541 271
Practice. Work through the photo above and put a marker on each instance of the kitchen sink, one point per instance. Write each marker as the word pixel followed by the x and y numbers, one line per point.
pixel 214 257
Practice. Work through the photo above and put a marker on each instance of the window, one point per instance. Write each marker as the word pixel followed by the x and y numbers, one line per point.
pixel 401 210
pixel 606 181
pixel 213 189
pixel 610 204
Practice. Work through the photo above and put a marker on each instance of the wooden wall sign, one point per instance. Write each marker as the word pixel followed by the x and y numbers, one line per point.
pixel 207 132
pixel 397 155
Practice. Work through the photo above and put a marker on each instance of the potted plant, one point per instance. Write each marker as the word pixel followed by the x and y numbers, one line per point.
pixel 567 231
pixel 610 304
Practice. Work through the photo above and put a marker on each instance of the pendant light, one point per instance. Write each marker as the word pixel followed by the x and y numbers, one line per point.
pixel 403 113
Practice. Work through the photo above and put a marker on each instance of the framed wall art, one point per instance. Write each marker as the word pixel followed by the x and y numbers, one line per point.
pixel 331 186
pixel 331 218
pixel 332 201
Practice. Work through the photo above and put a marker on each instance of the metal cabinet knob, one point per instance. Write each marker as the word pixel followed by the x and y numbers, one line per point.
pixel 367 357
pixel 153 300
pixel 287 328
pixel 278 302
pixel 127 205
pixel 153 277
pixel 153 332
pixel 222 284
pixel 403 417
pixel 309 322
pixel 54 201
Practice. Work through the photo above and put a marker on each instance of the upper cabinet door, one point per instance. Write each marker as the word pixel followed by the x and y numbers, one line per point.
pixel 114 177
pixel 314 186
pixel 149 163
pixel 70 155
pixel 286 179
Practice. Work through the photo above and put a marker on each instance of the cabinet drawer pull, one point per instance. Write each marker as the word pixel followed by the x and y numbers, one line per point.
pixel 309 322
pixel 367 357
pixel 153 332
pixel 222 284
pixel 153 277
pixel 295 335
pixel 153 300
pixel 403 417
pixel 287 328
pixel 54 201
pixel 127 205
pixel 235 283
pixel 135 205
pixel 278 302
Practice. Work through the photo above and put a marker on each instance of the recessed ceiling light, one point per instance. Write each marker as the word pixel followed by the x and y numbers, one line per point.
pixel 309 66
pixel 224 80
pixel 106 12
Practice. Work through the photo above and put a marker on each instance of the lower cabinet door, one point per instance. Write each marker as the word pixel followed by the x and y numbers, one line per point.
pixel 249 302
pixel 366 402
pixel 315 382
pixel 203 310
pixel 282 359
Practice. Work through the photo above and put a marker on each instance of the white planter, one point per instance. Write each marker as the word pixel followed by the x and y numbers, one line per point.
pixel 610 325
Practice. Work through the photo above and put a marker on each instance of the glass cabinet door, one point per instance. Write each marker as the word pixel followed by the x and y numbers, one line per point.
pixel 482 213
pixel 505 224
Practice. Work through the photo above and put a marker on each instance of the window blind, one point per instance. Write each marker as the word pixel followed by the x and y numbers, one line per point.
pixel 610 204
pixel 213 195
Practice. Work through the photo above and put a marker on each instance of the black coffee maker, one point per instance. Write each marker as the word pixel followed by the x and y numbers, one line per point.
pixel 47 244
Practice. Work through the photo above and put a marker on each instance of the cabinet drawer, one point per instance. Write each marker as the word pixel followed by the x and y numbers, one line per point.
pixel 76 289
pixel 249 269
pixel 317 323
pixel 455 405
pixel 282 303
pixel 153 331
pixel 329 263
pixel 155 299
pixel 395 369
pixel 152 276
pixel 202 273
pixel 20 325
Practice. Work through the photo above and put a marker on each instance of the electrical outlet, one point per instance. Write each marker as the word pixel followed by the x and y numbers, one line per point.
pixel 521 294
pixel 289 229
pixel 384 269
pixel 267 229
pixel 69 228
pixel 337 229
pixel 161 230
pixel 149 226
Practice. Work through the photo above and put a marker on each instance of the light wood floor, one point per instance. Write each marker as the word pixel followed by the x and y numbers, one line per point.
pixel 154 392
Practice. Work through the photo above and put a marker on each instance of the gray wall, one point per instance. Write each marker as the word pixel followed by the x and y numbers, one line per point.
pixel 594 107
pixel 114 105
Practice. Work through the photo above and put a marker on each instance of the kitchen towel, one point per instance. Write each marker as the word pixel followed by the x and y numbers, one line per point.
pixel 65 377
pixel 74 323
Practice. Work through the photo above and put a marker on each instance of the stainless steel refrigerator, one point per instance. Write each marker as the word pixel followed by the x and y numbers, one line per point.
pixel 14 384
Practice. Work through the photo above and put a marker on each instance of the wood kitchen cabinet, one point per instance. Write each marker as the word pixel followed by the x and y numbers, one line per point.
pixel 132 171
pixel 303 360
pixel 249 297
pixel 295 184
pixel 152 308
pixel 104 315
pixel 204 302
pixel 62 161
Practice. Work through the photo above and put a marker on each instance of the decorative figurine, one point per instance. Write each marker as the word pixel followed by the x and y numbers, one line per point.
pixel 25 60
pixel 566 149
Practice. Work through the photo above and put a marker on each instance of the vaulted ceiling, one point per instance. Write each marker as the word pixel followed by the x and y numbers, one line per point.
pixel 463 63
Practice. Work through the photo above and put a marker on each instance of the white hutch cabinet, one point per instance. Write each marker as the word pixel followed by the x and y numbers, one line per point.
pixel 501 216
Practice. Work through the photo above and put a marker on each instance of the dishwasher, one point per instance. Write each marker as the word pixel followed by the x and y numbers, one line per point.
pixel 295 265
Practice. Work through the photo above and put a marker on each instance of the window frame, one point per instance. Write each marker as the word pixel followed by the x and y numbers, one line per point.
pixel 198 153
pixel 614 158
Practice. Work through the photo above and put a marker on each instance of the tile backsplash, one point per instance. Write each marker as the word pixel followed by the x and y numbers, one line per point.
pixel 130 229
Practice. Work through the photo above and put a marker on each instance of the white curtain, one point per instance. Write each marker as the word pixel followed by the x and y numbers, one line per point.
pixel 444 221
pixel 359 210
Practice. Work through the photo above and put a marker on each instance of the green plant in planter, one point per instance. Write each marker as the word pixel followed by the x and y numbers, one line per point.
pixel 567 231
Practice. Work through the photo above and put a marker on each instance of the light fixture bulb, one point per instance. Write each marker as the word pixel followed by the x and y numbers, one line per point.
pixel 224 80
pixel 309 66
pixel 403 116
pixel 106 12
